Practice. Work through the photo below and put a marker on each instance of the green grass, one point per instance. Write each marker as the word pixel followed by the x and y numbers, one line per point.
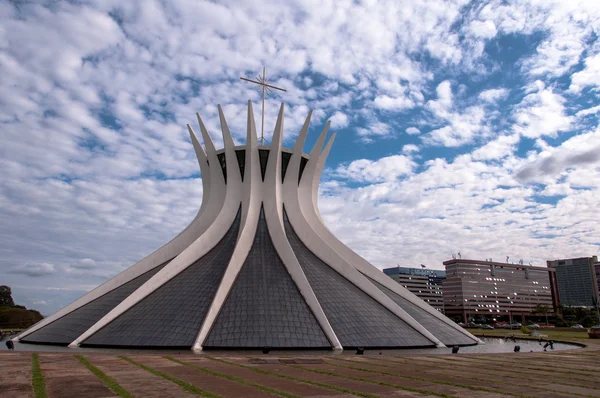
pixel 448 383
pixel 37 380
pixel 489 370
pixel 467 375
pixel 183 384
pixel 107 380
pixel 236 379
pixel 523 364
pixel 380 383
pixel 298 379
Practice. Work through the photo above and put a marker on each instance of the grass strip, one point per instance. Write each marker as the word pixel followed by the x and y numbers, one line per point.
pixel 379 383
pixel 525 370
pixel 479 371
pixel 37 379
pixel 448 383
pixel 107 380
pixel 525 364
pixel 183 384
pixel 486 372
pixel 236 379
pixel 298 379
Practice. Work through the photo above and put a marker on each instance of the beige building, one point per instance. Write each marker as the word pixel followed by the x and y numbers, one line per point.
pixel 475 288
pixel 424 283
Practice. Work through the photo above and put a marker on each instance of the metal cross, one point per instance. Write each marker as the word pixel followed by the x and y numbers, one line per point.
pixel 265 87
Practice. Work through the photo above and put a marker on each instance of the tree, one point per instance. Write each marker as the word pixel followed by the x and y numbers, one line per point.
pixel 6 296
pixel 542 309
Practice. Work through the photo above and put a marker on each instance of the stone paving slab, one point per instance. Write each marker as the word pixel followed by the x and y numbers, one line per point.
pixel 557 374
pixel 334 381
pixel 506 374
pixel 412 383
pixel 67 377
pixel 135 380
pixel 213 384
pixel 278 383
pixel 15 375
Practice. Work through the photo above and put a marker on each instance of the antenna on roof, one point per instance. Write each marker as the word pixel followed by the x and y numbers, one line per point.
pixel 453 256
pixel 507 257
pixel 459 256
pixel 521 261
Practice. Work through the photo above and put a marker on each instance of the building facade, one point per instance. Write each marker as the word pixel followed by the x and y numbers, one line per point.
pixel 474 288
pixel 424 283
pixel 577 280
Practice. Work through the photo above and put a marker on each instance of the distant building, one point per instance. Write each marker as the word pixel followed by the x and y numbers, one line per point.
pixel 597 272
pixel 424 283
pixel 577 280
pixel 475 288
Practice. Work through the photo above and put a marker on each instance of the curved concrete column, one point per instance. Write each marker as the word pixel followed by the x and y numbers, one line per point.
pixel 355 259
pixel 301 221
pixel 273 206
pixel 203 219
pixel 198 248
pixel 251 201
pixel 219 208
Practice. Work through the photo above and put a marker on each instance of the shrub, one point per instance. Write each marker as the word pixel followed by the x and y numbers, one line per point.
pixel 525 330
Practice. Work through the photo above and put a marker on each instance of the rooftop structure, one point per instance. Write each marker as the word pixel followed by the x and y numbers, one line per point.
pixel 483 288
pixel 255 268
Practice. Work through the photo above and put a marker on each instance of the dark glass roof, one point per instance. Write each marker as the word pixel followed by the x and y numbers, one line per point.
pixel 263 155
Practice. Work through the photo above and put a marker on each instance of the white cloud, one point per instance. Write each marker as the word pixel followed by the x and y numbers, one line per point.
pixel 581 152
pixel 494 94
pixel 541 113
pixel 35 269
pixel 409 148
pixel 588 76
pixel 339 120
pixel 483 29
pixel 389 103
pixel 94 99
pixel 589 111
pixel 444 99
pixel 385 169
pixel 499 148
pixel 375 129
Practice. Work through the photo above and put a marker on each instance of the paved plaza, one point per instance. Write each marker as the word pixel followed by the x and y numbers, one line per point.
pixel 543 374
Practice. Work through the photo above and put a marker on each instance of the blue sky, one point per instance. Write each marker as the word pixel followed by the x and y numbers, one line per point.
pixel 462 126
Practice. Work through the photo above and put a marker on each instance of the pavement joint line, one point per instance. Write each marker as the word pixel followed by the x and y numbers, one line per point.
pixel 491 367
pixel 526 362
pixel 298 379
pixel 181 383
pixel 235 379
pixel 525 369
pixel 448 383
pixel 37 378
pixel 490 381
pixel 495 368
pixel 380 383
pixel 107 380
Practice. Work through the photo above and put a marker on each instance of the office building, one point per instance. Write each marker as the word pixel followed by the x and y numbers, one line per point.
pixel 474 288
pixel 424 283
pixel 577 281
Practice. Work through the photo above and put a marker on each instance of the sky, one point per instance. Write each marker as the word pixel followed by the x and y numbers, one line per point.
pixel 462 126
